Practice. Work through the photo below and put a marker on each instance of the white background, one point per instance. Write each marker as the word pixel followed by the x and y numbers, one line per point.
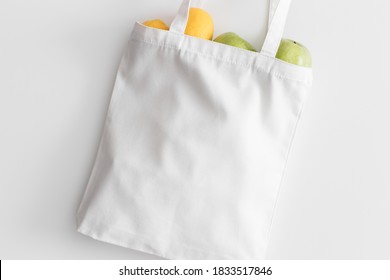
pixel 58 61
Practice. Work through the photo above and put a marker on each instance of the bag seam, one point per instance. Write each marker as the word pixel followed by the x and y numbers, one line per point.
pixel 284 168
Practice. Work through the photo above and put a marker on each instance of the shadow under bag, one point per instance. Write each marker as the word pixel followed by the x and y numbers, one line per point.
pixel 195 144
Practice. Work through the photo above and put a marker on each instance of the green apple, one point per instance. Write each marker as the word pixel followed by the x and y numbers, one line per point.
pixel 293 52
pixel 232 39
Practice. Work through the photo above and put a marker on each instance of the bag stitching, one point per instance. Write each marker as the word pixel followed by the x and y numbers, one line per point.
pixel 257 69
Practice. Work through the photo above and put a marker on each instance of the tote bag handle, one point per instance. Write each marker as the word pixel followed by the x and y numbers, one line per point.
pixel 278 11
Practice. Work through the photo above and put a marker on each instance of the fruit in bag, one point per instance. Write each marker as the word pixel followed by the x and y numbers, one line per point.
pixel 294 52
pixel 156 23
pixel 232 39
pixel 200 24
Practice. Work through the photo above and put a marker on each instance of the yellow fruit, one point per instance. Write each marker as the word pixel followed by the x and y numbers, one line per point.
pixel 156 23
pixel 200 24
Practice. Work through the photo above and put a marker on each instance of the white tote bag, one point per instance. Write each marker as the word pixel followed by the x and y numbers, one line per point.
pixel 195 144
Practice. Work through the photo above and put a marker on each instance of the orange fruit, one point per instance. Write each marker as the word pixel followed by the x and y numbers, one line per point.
pixel 200 24
pixel 156 23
